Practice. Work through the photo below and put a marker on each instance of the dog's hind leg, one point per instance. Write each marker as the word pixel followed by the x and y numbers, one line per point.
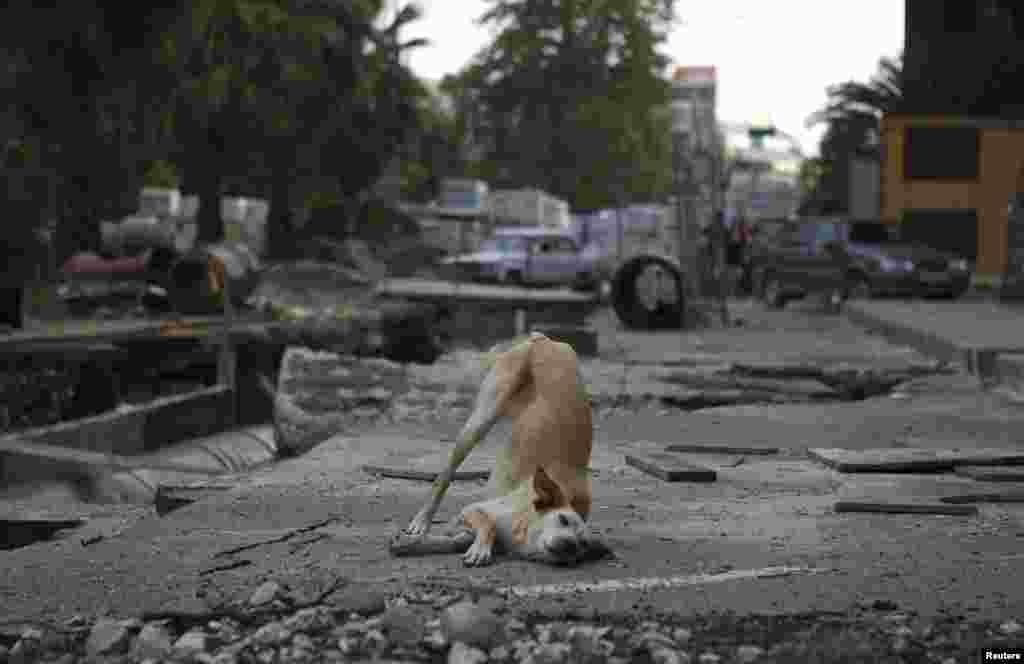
pixel 502 381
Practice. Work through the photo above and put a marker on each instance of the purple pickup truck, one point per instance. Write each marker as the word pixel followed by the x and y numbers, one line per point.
pixel 532 256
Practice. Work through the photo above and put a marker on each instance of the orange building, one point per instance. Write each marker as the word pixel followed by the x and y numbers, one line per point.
pixel 947 180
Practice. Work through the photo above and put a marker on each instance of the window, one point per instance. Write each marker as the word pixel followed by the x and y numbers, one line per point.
pixel 504 245
pixel 682 94
pixel 941 153
pixel 816 234
pixel 565 245
pixel 955 231
pixel 959 17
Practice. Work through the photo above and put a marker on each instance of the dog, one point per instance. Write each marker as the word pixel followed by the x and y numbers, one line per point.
pixel 542 476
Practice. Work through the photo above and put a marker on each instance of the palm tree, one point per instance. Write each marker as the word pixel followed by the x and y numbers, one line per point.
pixel 860 106
pixel 853 114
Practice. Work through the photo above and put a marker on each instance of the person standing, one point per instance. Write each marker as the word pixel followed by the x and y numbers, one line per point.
pixel 742 238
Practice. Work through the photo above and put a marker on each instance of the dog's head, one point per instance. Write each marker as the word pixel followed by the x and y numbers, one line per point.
pixel 559 534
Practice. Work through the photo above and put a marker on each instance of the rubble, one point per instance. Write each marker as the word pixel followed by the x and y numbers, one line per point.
pixel 265 594
pixel 470 633
pixel 472 624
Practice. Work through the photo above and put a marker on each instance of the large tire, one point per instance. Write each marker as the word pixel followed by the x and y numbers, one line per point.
pixel 640 313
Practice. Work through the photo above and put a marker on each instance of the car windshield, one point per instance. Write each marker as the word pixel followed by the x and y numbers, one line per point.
pixel 820 233
pixel 502 245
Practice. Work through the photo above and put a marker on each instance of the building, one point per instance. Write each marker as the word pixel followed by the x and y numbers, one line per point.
pixel 762 171
pixel 693 107
pixel 952 154
pixel 694 103
pixel 947 180
pixel 940 78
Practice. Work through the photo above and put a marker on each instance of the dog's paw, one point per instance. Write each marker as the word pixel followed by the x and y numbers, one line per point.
pixel 478 555
pixel 420 524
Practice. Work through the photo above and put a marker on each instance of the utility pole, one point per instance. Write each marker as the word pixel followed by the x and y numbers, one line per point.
pixel 682 184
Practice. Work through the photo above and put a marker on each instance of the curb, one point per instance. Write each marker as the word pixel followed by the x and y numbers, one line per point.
pixel 978 361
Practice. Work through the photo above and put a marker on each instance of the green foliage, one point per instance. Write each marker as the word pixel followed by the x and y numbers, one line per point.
pixel 161 173
pixel 265 97
pixel 566 98
pixel 853 116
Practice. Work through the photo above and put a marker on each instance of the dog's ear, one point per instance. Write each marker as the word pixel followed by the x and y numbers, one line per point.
pixel 544 493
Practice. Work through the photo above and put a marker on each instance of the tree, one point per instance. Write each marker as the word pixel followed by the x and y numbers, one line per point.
pixel 78 85
pixel 262 96
pixel 853 116
pixel 863 104
pixel 380 115
pixel 568 94
pixel 293 90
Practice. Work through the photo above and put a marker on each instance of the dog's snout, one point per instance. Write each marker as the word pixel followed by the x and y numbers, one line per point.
pixel 565 547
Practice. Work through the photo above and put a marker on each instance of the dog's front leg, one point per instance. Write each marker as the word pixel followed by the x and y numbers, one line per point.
pixel 497 385
pixel 481 551
pixel 421 523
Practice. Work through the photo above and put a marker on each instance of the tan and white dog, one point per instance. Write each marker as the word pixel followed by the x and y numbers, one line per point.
pixel 541 478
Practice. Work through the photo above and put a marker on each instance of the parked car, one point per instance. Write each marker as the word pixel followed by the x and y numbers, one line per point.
pixel 532 256
pixel 852 260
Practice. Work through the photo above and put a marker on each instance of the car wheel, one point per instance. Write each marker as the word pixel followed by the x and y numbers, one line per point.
pixel 771 292
pixel 833 300
pixel 582 283
pixel 859 289
pixel 954 293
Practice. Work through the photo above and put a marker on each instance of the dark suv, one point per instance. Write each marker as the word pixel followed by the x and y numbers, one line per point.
pixel 843 259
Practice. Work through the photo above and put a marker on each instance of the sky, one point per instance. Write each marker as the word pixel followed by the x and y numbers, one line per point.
pixel 774 59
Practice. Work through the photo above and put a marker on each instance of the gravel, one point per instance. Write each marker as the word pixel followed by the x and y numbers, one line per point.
pixel 471 633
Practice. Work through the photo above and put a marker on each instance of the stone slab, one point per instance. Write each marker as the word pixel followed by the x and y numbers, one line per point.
pixel 425 476
pixel 721 449
pixel 1009 496
pixel 992 473
pixel 912 460
pixel 670 468
pixel 945 509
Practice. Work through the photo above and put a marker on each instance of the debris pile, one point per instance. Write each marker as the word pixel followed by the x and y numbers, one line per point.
pixel 363 624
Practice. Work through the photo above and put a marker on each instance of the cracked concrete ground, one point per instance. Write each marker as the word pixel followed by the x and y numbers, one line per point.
pixel 765 512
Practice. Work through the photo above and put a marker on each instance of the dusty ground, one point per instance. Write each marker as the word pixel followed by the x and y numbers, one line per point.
pixel 762 540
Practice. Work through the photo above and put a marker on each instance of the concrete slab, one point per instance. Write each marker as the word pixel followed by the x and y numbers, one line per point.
pixel 436 290
pixel 763 538
pixel 913 460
